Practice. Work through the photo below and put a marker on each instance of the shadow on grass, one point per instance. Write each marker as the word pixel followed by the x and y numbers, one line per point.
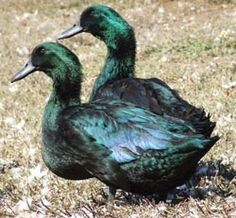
pixel 209 179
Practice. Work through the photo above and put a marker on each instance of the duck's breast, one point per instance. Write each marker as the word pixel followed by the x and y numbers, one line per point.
pixel 60 158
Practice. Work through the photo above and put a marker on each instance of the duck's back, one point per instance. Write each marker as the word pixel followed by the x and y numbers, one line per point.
pixel 156 96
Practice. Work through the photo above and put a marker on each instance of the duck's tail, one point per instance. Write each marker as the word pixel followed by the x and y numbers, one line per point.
pixel 204 127
pixel 210 142
pixel 200 121
pixel 189 156
pixel 204 147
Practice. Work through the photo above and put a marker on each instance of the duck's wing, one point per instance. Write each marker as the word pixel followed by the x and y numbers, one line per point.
pixel 125 130
pixel 83 128
pixel 156 96
pixel 127 112
pixel 103 136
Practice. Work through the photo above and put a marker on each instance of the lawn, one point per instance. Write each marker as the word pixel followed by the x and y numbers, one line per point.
pixel 191 45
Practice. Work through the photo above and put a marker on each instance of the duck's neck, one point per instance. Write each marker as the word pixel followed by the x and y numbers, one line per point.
pixel 119 63
pixel 63 95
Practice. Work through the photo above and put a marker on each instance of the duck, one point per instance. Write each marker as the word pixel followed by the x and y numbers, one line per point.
pixel 117 78
pixel 123 145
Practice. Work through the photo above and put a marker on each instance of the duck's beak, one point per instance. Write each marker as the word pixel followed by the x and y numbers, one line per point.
pixel 75 29
pixel 28 69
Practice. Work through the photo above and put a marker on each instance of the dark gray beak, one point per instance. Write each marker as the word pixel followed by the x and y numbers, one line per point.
pixel 75 29
pixel 28 69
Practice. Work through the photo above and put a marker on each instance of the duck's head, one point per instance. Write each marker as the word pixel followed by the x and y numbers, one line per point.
pixel 55 60
pixel 104 23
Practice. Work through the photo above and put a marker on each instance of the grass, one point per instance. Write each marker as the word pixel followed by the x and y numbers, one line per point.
pixel 189 44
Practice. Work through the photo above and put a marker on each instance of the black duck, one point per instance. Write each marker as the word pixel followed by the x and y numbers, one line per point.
pixel 117 78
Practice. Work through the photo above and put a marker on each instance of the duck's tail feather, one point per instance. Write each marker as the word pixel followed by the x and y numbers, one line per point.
pixel 205 128
pixel 201 121
pixel 207 145
pixel 211 142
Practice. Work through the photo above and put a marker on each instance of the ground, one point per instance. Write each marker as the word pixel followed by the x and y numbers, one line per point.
pixel 191 45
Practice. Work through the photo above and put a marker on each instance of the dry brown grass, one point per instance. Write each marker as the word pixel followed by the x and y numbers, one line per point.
pixel 189 44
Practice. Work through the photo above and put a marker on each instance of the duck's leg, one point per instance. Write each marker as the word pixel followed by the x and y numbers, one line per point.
pixel 111 197
pixel 111 194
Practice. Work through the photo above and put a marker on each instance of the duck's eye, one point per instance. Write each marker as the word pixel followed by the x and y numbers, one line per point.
pixel 42 51
pixel 93 14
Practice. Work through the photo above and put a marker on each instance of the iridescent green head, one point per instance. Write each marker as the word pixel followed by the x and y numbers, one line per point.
pixel 104 23
pixel 54 59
